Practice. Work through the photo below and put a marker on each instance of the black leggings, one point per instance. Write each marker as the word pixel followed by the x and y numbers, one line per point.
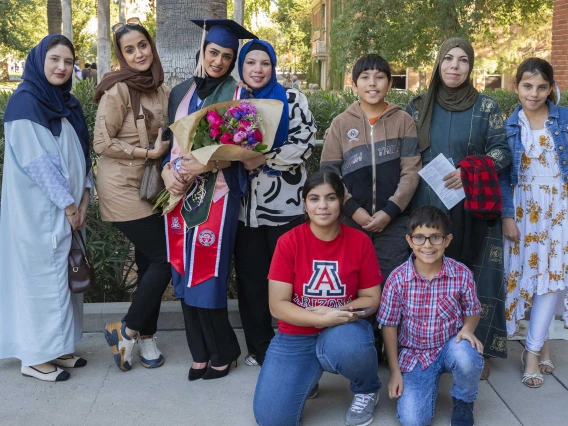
pixel 252 282
pixel 154 271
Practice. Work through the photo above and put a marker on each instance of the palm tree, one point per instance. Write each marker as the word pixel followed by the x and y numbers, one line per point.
pixel 177 38
pixel 103 38
pixel 54 16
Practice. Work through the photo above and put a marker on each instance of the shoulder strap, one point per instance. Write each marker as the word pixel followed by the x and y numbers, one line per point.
pixel 141 126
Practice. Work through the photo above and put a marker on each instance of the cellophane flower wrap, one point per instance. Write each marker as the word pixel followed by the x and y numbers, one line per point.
pixel 226 131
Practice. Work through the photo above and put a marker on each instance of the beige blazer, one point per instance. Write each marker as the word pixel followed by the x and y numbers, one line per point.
pixel 119 174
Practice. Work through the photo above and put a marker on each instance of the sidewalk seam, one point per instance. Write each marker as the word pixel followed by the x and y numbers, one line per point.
pixel 97 395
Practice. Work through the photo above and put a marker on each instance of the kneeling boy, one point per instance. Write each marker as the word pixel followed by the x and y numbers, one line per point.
pixel 429 311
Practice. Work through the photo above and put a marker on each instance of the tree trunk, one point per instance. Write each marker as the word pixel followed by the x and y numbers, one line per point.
pixel 239 17
pixel 67 19
pixel 4 74
pixel 103 38
pixel 54 16
pixel 121 10
pixel 178 40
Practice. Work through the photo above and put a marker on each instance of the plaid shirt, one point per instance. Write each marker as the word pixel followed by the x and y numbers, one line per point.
pixel 429 312
pixel 483 198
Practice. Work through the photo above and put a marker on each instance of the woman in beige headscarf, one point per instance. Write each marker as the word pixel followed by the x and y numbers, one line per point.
pixel 454 119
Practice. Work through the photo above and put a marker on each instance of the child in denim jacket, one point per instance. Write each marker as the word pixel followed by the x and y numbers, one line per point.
pixel 429 311
pixel 535 206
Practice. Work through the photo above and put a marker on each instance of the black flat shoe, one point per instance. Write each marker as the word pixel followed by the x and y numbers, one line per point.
pixel 211 373
pixel 196 373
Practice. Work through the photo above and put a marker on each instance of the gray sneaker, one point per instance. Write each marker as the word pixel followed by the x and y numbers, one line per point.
pixel 362 409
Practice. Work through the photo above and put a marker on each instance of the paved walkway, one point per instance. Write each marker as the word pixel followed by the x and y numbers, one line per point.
pixel 100 394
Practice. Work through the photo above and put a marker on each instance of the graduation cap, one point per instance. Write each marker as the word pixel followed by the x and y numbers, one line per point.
pixel 224 32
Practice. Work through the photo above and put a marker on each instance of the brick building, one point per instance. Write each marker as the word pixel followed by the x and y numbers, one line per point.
pixel 559 57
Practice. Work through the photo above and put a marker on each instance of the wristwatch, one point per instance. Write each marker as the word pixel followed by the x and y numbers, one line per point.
pixel 215 167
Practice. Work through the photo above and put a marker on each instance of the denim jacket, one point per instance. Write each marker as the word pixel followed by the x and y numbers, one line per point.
pixel 557 124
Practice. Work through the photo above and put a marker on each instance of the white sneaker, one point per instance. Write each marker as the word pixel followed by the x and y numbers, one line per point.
pixel 362 409
pixel 150 355
pixel 122 345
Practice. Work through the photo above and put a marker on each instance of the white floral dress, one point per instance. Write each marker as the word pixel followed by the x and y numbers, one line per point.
pixel 538 264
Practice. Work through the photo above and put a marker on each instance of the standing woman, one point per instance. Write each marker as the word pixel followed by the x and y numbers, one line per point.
pixel 534 219
pixel 453 119
pixel 201 251
pixel 272 205
pixel 124 96
pixel 45 196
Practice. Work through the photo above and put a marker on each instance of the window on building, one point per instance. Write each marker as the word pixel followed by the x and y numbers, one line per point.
pixel 493 81
pixel 399 80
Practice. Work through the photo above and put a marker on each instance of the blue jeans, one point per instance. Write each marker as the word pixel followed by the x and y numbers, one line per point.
pixel 416 405
pixel 294 364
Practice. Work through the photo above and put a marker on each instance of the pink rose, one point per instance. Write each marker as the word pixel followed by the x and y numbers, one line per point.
pixel 214 118
pixel 215 131
pixel 240 136
pixel 227 138
pixel 257 135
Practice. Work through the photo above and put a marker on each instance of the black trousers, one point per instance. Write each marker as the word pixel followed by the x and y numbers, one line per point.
pixel 210 336
pixel 252 282
pixel 154 271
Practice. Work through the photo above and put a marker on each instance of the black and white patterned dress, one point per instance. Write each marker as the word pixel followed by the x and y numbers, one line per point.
pixel 277 200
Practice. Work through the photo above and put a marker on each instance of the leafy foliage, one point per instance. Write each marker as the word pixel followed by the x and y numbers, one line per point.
pixel 293 20
pixel 409 33
pixel 23 23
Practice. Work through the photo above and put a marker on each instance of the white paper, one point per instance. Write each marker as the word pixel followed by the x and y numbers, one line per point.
pixel 434 174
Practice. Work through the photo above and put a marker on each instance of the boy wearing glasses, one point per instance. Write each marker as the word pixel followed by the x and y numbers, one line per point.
pixel 429 311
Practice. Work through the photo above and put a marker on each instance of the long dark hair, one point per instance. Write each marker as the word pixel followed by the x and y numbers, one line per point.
pixel 320 178
pixel 537 66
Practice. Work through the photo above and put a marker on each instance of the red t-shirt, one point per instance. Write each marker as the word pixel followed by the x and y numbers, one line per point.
pixel 323 273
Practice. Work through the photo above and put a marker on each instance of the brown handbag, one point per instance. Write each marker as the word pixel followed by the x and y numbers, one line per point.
pixel 81 273
pixel 152 183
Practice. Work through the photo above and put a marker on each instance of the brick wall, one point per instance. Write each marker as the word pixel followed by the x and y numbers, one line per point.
pixel 560 43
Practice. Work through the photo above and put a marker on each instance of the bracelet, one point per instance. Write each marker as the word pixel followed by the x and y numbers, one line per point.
pixel 146 156
pixel 72 214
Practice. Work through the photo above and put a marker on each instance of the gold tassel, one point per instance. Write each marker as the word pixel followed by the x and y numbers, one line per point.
pixel 200 67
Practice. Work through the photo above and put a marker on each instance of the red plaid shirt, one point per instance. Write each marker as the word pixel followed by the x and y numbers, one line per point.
pixel 429 312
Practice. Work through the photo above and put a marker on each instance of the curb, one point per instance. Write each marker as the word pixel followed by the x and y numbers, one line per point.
pixel 95 315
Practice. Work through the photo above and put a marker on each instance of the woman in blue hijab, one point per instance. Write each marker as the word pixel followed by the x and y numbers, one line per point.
pixel 45 195
pixel 272 204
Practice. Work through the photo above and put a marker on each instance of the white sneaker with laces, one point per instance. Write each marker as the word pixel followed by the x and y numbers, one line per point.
pixel 150 355
pixel 362 408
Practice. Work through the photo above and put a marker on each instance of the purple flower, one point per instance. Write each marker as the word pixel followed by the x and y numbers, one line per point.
pixel 240 136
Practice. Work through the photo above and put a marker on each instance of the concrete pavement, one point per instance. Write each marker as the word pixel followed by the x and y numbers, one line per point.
pixel 100 394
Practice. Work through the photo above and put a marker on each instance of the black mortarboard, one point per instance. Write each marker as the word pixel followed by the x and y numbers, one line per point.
pixel 224 32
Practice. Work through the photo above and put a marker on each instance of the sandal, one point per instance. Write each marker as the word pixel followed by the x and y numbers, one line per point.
pixel 529 376
pixel 546 363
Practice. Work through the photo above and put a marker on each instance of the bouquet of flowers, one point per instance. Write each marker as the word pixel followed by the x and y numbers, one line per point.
pixel 239 125
pixel 227 131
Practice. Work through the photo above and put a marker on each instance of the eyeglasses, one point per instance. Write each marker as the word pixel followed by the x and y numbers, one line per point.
pixel 435 240
pixel 118 28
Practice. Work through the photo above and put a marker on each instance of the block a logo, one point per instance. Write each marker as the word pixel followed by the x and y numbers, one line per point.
pixel 324 281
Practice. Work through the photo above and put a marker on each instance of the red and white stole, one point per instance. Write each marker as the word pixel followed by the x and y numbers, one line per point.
pixel 176 231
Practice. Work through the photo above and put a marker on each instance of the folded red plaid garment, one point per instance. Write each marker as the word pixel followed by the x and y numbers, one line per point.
pixel 481 185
